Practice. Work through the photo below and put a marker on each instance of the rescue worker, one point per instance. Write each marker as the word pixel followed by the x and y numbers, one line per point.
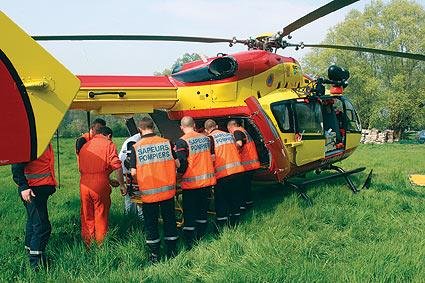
pixel 249 160
pixel 154 163
pixel 131 183
pixel 97 159
pixel 194 153
pixel 227 164
pixel 95 126
pixel 36 182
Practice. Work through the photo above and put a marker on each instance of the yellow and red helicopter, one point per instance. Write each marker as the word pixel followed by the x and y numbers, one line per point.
pixel 297 125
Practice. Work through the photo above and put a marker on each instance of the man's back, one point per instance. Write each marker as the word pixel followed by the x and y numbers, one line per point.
pixel 97 159
pixel 99 155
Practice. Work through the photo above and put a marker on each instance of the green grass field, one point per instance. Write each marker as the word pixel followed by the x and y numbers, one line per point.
pixel 376 235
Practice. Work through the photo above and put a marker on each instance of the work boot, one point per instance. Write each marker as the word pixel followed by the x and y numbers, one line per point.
pixel 189 238
pixel 201 229
pixel 220 223
pixel 38 262
pixel 153 258
pixel 242 208
pixel 171 246
pixel 249 205
pixel 154 252
pixel 234 220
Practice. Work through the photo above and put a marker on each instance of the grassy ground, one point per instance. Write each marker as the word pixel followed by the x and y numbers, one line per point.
pixel 376 235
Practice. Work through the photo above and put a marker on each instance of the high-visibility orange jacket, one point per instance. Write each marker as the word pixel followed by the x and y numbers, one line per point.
pixel 97 159
pixel 41 172
pixel 227 160
pixel 156 169
pixel 200 168
pixel 87 136
pixel 248 152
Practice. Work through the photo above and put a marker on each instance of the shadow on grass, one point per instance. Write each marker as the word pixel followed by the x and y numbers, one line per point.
pixel 403 191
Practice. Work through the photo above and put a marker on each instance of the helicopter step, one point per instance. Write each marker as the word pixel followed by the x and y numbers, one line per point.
pixel 300 187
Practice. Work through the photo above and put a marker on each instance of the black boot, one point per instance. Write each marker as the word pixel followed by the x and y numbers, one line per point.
pixel 249 204
pixel 201 229
pixel 220 224
pixel 189 238
pixel 234 220
pixel 154 252
pixel 38 262
pixel 171 246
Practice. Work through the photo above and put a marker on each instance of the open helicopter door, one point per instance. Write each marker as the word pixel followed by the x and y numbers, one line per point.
pixel 35 93
pixel 279 162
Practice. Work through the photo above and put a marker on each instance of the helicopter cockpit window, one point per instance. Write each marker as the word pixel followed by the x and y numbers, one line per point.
pixel 309 117
pixel 281 112
pixel 353 121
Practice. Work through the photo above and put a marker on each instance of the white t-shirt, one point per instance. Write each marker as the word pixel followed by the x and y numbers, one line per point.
pixel 123 153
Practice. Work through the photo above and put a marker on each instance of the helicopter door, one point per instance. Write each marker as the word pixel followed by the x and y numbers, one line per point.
pixel 353 126
pixel 35 92
pixel 309 129
pixel 279 162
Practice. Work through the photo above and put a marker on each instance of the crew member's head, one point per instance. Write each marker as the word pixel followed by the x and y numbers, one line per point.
pixel 146 126
pixel 187 124
pixel 96 125
pixel 210 125
pixel 233 123
pixel 106 131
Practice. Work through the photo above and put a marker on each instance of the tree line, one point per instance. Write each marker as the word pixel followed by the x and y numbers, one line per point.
pixel 388 92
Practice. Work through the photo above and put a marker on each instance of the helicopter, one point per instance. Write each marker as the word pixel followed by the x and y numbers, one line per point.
pixel 298 126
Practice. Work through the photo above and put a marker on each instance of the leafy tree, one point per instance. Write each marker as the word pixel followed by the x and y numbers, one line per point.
pixel 388 92
pixel 185 58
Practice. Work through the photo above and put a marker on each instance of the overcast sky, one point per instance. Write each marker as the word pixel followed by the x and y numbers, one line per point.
pixel 219 18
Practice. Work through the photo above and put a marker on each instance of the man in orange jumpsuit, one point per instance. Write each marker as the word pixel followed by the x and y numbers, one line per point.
pixel 95 126
pixel 97 159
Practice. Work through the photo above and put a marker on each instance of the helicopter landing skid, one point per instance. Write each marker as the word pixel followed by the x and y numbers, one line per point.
pixel 300 188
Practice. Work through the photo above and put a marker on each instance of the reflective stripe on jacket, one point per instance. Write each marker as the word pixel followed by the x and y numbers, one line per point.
pixel 200 168
pixel 41 172
pixel 156 169
pixel 248 152
pixel 227 160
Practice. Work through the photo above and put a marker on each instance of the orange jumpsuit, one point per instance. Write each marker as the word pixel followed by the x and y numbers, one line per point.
pixel 97 159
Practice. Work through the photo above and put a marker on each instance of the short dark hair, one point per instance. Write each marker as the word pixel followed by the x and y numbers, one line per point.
pixel 106 131
pixel 146 123
pixel 235 121
pixel 98 121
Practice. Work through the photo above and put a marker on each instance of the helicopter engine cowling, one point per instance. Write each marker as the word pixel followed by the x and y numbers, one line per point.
pixel 223 67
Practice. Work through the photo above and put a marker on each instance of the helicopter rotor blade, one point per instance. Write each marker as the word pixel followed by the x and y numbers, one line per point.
pixel 414 56
pixel 316 14
pixel 135 37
